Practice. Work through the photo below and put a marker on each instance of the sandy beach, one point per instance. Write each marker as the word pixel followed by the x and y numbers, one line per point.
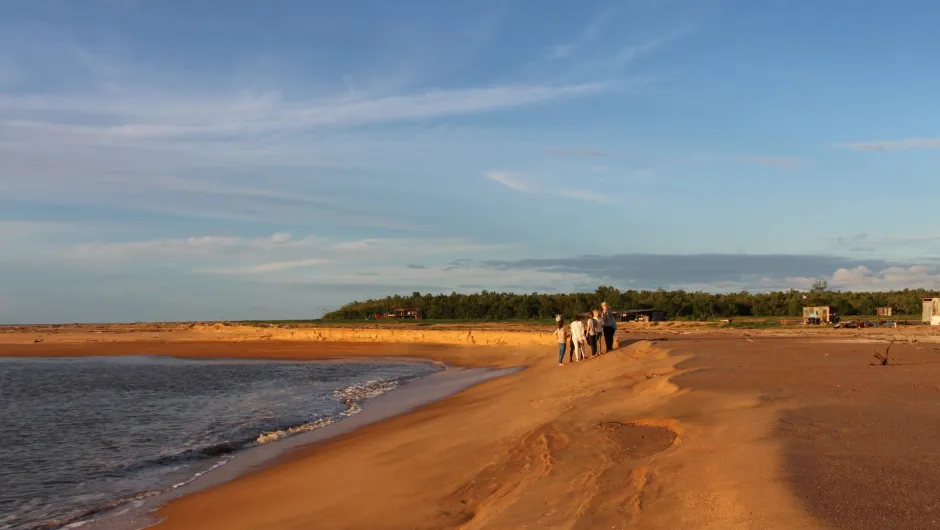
pixel 706 429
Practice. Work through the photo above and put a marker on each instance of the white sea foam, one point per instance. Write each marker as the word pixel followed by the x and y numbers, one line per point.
pixel 350 396
pixel 215 466
pixel 367 390
pixel 279 434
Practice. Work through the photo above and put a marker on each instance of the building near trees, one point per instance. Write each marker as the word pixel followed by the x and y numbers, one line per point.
pixel 821 314
pixel 931 310
pixel 641 315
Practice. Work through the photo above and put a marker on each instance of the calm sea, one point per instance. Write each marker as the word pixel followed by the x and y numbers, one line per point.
pixel 83 435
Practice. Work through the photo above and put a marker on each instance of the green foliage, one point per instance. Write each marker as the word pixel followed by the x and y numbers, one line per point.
pixel 678 305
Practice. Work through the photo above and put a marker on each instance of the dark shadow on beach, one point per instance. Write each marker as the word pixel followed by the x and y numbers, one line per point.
pixel 865 466
pixel 859 441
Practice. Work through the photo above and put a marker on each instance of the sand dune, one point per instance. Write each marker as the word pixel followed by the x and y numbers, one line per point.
pixel 605 443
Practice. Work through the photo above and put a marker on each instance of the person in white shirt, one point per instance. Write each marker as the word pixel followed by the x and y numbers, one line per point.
pixel 610 325
pixel 577 338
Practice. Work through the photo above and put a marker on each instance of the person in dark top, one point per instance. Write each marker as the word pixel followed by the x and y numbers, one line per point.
pixel 610 325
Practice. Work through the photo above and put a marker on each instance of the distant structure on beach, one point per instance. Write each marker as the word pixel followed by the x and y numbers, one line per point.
pixel 931 314
pixel 399 314
pixel 642 315
pixel 821 314
pixel 884 311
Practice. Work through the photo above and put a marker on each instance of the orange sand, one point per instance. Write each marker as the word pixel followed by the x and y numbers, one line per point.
pixel 637 438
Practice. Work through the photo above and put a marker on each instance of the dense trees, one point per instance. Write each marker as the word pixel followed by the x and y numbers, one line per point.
pixel 677 304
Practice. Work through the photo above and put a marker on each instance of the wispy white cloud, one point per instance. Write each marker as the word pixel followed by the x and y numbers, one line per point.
pixel 469 278
pixel 893 145
pixel 277 252
pixel 590 33
pixel 275 266
pixel 266 113
pixel 134 138
pixel 182 249
pixel 642 173
pixel 280 258
pixel 271 146
pixel 510 180
pixel 584 195
pixel 869 239
pixel 519 183
pixel 219 181
pixel 581 152
pixel 210 188
pixel 634 51
pixel 603 49
pixel 783 162
pixel 29 232
pixel 19 228
pixel 140 147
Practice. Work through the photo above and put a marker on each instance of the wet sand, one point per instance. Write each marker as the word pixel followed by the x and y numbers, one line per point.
pixel 704 430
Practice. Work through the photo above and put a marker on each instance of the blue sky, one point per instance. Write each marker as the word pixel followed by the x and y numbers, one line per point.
pixel 240 159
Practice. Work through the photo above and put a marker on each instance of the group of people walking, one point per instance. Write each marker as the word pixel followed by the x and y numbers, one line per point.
pixel 595 331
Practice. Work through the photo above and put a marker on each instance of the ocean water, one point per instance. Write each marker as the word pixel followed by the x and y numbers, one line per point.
pixel 86 435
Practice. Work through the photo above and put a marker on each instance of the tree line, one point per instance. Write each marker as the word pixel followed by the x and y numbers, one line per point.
pixel 678 305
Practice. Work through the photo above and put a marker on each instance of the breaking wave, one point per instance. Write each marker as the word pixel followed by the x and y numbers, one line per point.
pixel 351 396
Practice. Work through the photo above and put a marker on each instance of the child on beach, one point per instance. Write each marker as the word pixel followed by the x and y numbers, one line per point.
pixel 561 335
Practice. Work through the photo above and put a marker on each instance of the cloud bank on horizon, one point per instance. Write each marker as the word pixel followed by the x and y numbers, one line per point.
pixel 164 161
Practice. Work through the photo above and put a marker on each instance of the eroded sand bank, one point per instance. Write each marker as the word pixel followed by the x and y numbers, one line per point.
pixel 455 335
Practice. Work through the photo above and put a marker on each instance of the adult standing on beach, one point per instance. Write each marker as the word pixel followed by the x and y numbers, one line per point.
pixel 598 329
pixel 610 325
pixel 577 338
pixel 591 332
pixel 561 335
